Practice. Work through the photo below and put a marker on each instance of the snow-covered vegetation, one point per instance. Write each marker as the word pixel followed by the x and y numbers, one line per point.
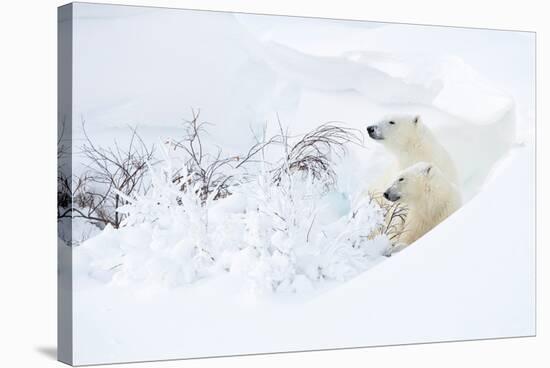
pixel 275 214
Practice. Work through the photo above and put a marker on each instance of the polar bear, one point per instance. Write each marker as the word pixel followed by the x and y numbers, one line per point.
pixel 411 141
pixel 428 196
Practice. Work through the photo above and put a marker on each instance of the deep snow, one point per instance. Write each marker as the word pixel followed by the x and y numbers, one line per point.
pixel 465 279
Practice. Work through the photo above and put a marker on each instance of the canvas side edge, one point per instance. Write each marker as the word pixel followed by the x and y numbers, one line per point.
pixel 64 167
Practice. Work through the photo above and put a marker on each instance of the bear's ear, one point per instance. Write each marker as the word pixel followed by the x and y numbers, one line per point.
pixel 416 119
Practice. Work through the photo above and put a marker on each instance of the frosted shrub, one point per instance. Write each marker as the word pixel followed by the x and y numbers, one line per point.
pixel 356 242
pixel 178 250
pixel 295 245
pixel 277 223
pixel 283 222
pixel 299 228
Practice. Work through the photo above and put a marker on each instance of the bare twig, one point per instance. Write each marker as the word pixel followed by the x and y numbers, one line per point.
pixel 395 215
pixel 110 171
pixel 314 153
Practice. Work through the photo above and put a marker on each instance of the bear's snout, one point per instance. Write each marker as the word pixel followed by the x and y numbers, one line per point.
pixel 391 196
pixel 374 132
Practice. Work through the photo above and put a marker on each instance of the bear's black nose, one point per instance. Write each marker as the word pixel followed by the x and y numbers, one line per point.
pixel 370 129
pixel 386 195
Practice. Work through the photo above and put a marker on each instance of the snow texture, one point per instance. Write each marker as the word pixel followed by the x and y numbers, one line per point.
pixel 282 268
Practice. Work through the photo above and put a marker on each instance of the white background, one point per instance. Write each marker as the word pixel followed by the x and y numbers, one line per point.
pixel 28 181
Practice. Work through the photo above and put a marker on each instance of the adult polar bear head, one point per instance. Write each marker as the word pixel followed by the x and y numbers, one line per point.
pixel 396 131
pixel 411 141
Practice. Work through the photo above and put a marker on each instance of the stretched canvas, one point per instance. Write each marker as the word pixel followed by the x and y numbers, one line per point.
pixel 240 183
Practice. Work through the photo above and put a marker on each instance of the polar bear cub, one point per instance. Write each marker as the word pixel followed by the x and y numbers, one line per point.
pixel 410 141
pixel 429 197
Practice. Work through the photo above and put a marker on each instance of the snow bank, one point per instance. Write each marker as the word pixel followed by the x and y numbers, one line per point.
pixel 466 279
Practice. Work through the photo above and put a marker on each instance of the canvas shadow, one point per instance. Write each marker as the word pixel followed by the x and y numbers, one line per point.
pixel 48 351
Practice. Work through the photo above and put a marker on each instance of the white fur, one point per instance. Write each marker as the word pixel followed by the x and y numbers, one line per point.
pixel 411 141
pixel 428 195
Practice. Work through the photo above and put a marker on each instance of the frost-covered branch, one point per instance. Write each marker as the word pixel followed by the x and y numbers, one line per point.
pixel 111 172
pixel 205 169
pixel 315 152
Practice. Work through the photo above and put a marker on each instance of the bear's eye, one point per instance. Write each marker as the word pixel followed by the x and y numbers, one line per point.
pixel 392 122
pixel 401 179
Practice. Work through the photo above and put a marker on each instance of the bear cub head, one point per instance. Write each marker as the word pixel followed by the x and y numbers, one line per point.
pixel 414 184
pixel 395 130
